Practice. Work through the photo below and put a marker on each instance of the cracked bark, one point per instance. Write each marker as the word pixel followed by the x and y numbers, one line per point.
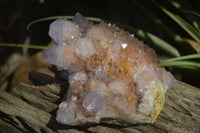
pixel 33 109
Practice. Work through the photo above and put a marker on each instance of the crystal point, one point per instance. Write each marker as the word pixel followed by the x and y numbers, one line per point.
pixel 111 73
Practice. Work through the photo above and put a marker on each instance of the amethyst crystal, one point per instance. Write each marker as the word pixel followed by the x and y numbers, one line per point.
pixel 111 73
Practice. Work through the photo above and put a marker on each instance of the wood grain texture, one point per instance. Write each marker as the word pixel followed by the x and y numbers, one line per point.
pixel 33 109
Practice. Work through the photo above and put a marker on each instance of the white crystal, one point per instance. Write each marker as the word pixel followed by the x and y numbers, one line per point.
pixel 84 48
pixel 54 55
pixel 117 87
pixel 124 45
pixel 61 29
pixel 78 78
pixel 111 73
pixel 66 113
pixel 94 101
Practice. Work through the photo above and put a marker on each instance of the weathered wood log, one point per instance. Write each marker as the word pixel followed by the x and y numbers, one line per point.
pixel 33 109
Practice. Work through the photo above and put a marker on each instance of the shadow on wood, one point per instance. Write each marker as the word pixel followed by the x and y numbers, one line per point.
pixel 33 109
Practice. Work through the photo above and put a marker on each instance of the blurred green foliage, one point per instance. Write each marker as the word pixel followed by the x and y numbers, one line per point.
pixel 170 27
pixel 192 30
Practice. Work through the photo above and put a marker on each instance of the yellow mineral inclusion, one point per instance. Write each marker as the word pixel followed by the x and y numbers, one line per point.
pixel 111 73
pixel 131 99
pixel 158 100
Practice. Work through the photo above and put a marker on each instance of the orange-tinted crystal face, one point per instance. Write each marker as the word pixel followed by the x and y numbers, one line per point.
pixel 112 74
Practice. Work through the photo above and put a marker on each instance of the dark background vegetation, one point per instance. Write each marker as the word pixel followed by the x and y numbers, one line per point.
pixel 15 15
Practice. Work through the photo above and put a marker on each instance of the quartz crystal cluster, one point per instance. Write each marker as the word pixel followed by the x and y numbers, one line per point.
pixel 111 73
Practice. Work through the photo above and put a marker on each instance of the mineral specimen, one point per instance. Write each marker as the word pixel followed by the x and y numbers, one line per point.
pixel 111 73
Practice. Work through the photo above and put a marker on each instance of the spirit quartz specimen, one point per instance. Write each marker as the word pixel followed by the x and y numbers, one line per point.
pixel 111 73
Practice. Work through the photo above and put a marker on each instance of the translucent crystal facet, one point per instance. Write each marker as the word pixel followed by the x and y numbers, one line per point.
pixel 111 73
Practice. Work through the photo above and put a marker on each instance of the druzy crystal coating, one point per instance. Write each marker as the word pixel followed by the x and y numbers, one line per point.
pixel 111 73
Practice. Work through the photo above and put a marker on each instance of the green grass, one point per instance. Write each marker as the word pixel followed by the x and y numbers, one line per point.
pixel 173 56
pixel 181 62
pixel 22 45
pixel 160 43
pixel 58 17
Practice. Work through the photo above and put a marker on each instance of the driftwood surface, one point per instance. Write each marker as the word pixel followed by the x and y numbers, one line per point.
pixel 29 108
